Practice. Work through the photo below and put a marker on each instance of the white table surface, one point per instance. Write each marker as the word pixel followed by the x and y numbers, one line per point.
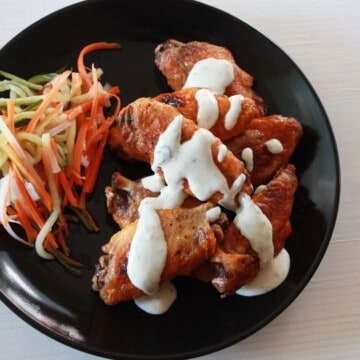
pixel 323 38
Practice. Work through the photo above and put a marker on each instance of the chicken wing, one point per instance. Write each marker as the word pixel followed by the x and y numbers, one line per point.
pixel 190 241
pixel 235 263
pixel 276 202
pixel 285 130
pixel 175 59
pixel 186 101
pixel 139 127
pixel 124 196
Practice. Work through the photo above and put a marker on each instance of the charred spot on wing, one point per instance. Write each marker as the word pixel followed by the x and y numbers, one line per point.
pixel 98 279
pixel 123 267
pixel 171 100
pixel 121 200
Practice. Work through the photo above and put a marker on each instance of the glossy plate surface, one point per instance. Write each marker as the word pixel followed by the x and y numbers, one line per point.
pixel 63 306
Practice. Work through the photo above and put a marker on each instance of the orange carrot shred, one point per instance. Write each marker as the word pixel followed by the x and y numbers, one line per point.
pixel 10 115
pixel 87 49
pixel 47 100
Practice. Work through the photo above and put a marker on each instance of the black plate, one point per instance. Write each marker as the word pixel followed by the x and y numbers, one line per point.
pixel 64 307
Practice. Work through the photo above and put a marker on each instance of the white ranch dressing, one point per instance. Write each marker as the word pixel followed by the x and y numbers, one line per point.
pixel 232 115
pixel 160 302
pixel 260 188
pixel 148 250
pixel 269 277
pixel 213 214
pixel 193 161
pixel 229 199
pixel 208 108
pixel 153 182
pixel 248 157
pixel 274 146
pixel 222 153
pixel 256 227
pixel 213 74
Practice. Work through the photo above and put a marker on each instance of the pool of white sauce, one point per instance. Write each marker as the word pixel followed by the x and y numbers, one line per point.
pixel 160 302
pixel 271 275
pixel 193 161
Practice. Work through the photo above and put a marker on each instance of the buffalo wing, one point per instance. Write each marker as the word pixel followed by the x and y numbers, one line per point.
pixel 140 125
pixel 175 60
pixel 190 240
pixel 185 101
pixel 286 130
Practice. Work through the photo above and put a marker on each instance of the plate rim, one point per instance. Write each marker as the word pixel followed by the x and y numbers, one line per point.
pixel 81 346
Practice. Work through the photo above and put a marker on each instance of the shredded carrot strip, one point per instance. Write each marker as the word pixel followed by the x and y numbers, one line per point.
pixel 50 115
pixel 46 102
pixel 87 49
pixel 74 112
pixel 99 132
pixel 35 213
pixel 10 115
pixel 113 90
pixel 44 195
pixel 78 152
pixel 95 103
pixel 69 194
pixel 25 221
pixel 60 235
pixel 94 169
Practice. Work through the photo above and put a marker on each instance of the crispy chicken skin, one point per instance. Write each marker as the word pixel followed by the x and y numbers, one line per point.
pixel 190 239
pixel 124 196
pixel 286 129
pixel 230 268
pixel 184 100
pixel 175 59
pixel 276 202
pixel 139 127
pixel 235 263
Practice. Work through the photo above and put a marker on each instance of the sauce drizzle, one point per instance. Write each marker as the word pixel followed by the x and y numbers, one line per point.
pixel 232 115
pixel 193 161
pixel 148 250
pixel 256 227
pixel 208 109
pixel 248 157
pixel 274 146
pixel 213 74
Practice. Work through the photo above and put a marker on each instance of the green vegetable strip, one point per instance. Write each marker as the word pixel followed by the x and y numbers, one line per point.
pixel 19 80
pixel 22 101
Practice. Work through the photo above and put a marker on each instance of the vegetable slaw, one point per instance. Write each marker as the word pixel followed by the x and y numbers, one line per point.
pixel 53 131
